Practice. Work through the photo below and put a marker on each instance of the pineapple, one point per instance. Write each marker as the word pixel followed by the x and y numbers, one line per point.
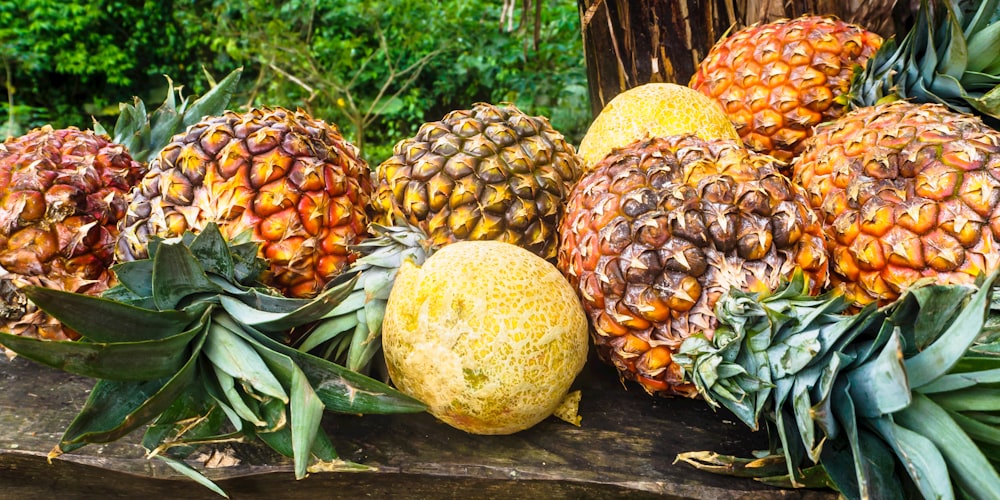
pixel 270 175
pixel 485 173
pixel 905 191
pixel 62 195
pixel 909 190
pixel 659 230
pixel 778 80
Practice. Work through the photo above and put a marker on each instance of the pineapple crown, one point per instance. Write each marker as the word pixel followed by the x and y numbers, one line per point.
pixel 350 333
pixel 948 56
pixel 144 135
pixel 907 387
pixel 188 336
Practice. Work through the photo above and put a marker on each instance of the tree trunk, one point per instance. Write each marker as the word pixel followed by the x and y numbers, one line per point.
pixel 631 42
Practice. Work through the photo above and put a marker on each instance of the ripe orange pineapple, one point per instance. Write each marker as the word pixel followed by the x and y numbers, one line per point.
pixel 905 191
pixel 909 190
pixel 659 230
pixel 62 193
pixel 778 80
pixel 270 175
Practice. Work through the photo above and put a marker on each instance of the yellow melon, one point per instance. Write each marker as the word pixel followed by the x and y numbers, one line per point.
pixel 487 334
pixel 653 110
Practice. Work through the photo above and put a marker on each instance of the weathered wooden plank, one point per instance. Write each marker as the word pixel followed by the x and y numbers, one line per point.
pixel 625 446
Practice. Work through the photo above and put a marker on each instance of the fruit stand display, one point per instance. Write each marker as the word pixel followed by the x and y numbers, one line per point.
pixel 803 241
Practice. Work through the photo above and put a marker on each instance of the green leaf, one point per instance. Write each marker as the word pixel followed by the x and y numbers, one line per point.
pixel 939 357
pixel 186 470
pixel 921 459
pixel 115 408
pixel 966 463
pixel 956 381
pixel 136 275
pixel 306 413
pixel 979 431
pixel 880 386
pixel 861 451
pixel 309 310
pixel 232 354
pixel 328 329
pixel 123 361
pixel 340 389
pixel 216 99
pixel 938 306
pixel 210 249
pixel 176 275
pixel 236 402
pixel 193 416
pixel 104 320
pixel 970 399
pixel 982 43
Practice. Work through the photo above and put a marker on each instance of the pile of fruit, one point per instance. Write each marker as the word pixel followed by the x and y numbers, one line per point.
pixel 808 235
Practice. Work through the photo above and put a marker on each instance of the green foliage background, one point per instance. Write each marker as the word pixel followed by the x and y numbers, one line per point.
pixel 377 69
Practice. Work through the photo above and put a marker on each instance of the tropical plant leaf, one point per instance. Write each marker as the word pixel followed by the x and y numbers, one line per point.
pixel 185 469
pixel 176 275
pixel 123 361
pixel 880 386
pixel 340 389
pixel 939 357
pixel 921 458
pixel 967 465
pixel 210 249
pixel 115 408
pixel 192 417
pixel 104 320
pixel 232 354
pixel 136 275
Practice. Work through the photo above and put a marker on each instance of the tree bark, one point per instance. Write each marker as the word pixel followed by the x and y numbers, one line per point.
pixel 631 42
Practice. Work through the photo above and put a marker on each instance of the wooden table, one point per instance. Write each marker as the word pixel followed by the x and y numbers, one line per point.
pixel 624 448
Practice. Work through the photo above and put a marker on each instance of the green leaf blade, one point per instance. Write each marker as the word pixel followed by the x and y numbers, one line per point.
pixel 104 320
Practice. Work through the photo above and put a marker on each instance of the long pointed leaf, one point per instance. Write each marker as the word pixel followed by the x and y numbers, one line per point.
pixel 123 361
pixel 214 99
pixel 233 355
pixel 105 320
pixel 920 458
pixel 210 249
pixel 880 386
pixel 966 463
pixel 939 357
pixel 115 408
pixel 176 275
pixel 339 388
pixel 309 311
pixel 186 470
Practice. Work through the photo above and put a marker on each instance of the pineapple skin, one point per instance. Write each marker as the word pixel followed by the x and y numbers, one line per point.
pixel 778 80
pixel 905 191
pixel 485 173
pixel 659 230
pixel 284 179
pixel 62 195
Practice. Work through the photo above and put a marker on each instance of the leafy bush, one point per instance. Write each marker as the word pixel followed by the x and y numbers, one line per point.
pixel 376 68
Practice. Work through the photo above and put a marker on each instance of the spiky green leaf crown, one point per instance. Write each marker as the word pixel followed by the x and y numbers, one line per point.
pixel 949 56
pixel 886 401
pixel 187 336
pixel 144 135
